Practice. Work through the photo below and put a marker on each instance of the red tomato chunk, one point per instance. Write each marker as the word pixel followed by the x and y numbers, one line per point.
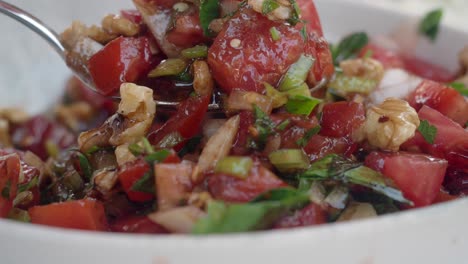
pixel 311 215
pixel 129 174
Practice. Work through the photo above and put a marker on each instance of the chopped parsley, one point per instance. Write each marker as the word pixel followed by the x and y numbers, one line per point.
pixel 460 87
pixel 209 10
pixel 429 26
pixel 349 46
pixel 428 131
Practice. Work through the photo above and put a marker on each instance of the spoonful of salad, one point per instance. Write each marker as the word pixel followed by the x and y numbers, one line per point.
pixel 189 47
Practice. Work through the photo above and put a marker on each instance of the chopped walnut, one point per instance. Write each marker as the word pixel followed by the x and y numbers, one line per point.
pixel 283 12
pixel 203 83
pixel 105 179
pixel 199 199
pixel 100 35
pixel 390 124
pixel 217 24
pixel 123 154
pixel 117 25
pixel 365 68
pixel 14 115
pixel 132 121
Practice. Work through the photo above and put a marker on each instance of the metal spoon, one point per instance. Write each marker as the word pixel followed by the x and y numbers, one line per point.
pixel 53 39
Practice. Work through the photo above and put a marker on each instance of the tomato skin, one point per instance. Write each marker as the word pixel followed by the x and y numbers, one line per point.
pixel 83 214
pixel 418 176
pixel 341 119
pixel 320 146
pixel 187 31
pixel 132 15
pixel 450 143
pixel 129 174
pixel 389 59
pixel 310 15
pixel 186 121
pixel 240 145
pixel 311 215
pixel 34 133
pixel 121 60
pixel 137 225
pixel 232 189
pixel 10 168
pixel 259 58
pixel 427 70
pixel 442 98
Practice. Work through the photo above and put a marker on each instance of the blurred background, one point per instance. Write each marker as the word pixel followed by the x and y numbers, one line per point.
pixel 30 71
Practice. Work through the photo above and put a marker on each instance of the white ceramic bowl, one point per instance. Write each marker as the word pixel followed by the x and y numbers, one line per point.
pixel 438 234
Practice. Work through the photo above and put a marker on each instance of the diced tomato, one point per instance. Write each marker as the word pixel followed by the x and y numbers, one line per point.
pixel 83 214
pixel 388 58
pixel 132 15
pixel 173 183
pixel 308 216
pixel 258 58
pixel 138 225
pixel 37 132
pixel 187 31
pixel 10 169
pixel 232 189
pixel 172 158
pixel 418 176
pixel 186 122
pixel 129 174
pixel 451 140
pixel 442 98
pixel 427 70
pixel 311 17
pixel 341 119
pixel 320 146
pixel 296 130
pixel 240 145
pixel 121 60
pixel 456 181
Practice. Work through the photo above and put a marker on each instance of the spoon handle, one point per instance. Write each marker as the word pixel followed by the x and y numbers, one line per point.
pixel 34 24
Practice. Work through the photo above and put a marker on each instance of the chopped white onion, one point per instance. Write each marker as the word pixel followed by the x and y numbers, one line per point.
pixel 178 220
pixel 396 83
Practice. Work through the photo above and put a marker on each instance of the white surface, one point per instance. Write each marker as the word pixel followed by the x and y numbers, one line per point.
pixel 435 235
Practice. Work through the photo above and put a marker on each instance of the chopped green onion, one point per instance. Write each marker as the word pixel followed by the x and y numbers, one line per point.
pixel 147 146
pixel 145 184
pixel 19 215
pixel 302 142
pixel 343 85
pixel 301 90
pixel 289 160
pixel 157 156
pixel 302 105
pixel 52 148
pixel 136 149
pixel 283 125
pixel 269 6
pixel 296 14
pixel 92 150
pixel 304 32
pixel 264 125
pixel 169 67
pixel 196 52
pixel 297 73
pixel 369 54
pixel 275 34
pixel 428 131
pixel 209 10
pixel 85 166
pixel 429 25
pixel 278 98
pixel 26 186
pixel 236 166
pixel 348 46
pixel 460 87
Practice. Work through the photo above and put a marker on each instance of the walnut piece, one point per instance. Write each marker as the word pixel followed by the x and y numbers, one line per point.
pixel 366 68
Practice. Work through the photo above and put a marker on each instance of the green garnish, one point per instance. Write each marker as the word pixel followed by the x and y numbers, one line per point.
pixel 196 52
pixel 296 14
pixel 264 125
pixel 428 131
pixel 278 98
pixel 52 148
pixel 235 166
pixel 304 32
pixel 349 46
pixel 297 73
pixel 429 25
pixel 369 54
pixel 190 146
pixel 460 87
pixel 342 85
pixel 259 214
pixel 275 34
pixel 209 10
pixel 157 156
pixel 145 184
pixel 92 150
pixel 269 6
pixel 289 160
pixel 308 135
pixel 302 105
pixel 283 125
pixel 169 67
pixel 26 186
pixel 85 166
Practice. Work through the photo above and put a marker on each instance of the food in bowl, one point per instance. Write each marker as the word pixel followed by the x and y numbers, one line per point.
pixel 307 133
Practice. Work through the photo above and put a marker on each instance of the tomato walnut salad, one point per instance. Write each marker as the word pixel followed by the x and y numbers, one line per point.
pixel 307 132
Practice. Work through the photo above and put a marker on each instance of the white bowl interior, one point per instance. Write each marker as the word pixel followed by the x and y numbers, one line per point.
pixel 30 70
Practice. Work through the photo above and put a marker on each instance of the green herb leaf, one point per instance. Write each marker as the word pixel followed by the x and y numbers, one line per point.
pixel 428 131
pixel 308 135
pixel 157 156
pixel 275 34
pixel 269 6
pixel 145 184
pixel 264 125
pixel 28 185
pixel 283 125
pixel 348 46
pixel 85 166
pixel 259 214
pixel 209 10
pixel 460 87
pixel 302 105
pixel 429 26
pixel 92 150
pixel 296 14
